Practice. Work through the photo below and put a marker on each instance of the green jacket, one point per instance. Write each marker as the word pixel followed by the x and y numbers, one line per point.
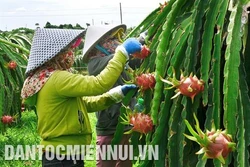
pixel 66 98
pixel 107 119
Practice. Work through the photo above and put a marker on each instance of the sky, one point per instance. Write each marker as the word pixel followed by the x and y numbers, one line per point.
pixel 27 13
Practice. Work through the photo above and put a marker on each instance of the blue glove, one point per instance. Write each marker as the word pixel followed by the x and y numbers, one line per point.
pixel 132 45
pixel 126 88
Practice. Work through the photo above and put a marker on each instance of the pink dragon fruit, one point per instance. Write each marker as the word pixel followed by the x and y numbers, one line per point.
pixel 139 121
pixel 187 86
pixel 145 81
pixel 215 144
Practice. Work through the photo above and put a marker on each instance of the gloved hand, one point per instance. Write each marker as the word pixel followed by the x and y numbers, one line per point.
pixel 117 93
pixel 126 88
pixel 130 46
pixel 142 37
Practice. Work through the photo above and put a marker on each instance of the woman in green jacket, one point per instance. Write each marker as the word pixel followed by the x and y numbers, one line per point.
pixel 63 99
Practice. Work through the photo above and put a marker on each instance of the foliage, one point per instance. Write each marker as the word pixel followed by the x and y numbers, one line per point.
pixel 20 31
pixel 63 26
pixel 209 39
pixel 25 133
pixel 14 48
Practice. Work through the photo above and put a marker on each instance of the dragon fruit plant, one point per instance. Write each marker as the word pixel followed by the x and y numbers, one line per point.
pixel 215 144
pixel 14 47
pixel 209 39
pixel 188 86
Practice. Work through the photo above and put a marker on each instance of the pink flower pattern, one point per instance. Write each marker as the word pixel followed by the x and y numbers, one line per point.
pixel 35 82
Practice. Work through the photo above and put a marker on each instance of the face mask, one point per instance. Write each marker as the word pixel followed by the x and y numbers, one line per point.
pixel 108 46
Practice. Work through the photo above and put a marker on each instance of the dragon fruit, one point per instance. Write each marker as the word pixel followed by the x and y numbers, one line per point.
pixel 7 119
pixel 143 54
pixel 188 86
pixel 12 65
pixel 215 144
pixel 145 81
pixel 139 121
pixel 218 145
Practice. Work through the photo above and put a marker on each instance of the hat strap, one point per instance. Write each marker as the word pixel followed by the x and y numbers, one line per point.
pixel 102 50
pixel 118 34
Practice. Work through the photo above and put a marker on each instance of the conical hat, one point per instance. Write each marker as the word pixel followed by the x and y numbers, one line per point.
pixel 95 34
pixel 47 43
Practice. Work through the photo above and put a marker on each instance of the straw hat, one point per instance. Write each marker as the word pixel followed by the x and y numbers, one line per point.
pixel 95 34
pixel 48 43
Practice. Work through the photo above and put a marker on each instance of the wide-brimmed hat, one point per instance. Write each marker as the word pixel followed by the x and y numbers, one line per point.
pixel 48 43
pixel 95 34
